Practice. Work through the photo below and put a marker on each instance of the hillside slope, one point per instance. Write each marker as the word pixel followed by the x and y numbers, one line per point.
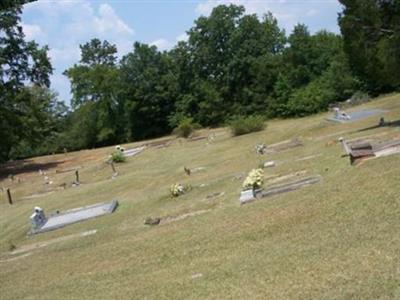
pixel 338 239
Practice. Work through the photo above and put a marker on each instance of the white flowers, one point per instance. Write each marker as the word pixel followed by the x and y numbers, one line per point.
pixel 119 148
pixel 117 156
pixel 261 148
pixel 254 180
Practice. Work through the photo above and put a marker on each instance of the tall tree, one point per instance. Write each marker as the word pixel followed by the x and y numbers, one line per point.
pixel 22 64
pixel 371 31
pixel 149 91
pixel 95 83
pixel 231 58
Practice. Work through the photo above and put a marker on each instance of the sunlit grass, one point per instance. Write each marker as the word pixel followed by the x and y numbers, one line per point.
pixel 338 239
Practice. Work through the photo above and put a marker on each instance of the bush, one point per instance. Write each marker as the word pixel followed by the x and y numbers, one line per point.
pixel 186 127
pixel 310 99
pixel 243 125
pixel 117 157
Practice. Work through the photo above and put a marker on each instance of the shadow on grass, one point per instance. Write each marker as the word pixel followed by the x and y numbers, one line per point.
pixel 387 124
pixel 24 166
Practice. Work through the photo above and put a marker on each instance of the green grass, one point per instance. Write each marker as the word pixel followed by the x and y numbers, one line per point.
pixel 338 239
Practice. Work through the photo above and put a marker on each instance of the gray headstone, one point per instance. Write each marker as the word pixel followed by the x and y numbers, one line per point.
pixel 71 216
pixel 246 196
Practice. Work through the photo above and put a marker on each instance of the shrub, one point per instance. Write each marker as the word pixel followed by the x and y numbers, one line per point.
pixel 359 97
pixel 243 125
pixel 309 99
pixel 117 157
pixel 186 127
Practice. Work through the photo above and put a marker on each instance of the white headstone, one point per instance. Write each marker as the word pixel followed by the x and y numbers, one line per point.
pixel 269 164
pixel 246 196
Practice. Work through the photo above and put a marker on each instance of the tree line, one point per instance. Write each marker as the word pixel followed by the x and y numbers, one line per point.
pixel 232 64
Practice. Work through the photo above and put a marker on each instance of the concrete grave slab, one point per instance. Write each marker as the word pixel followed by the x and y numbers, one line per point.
pixel 358 115
pixel 134 151
pixel 288 187
pixel 361 150
pixel 75 215
pixel 246 196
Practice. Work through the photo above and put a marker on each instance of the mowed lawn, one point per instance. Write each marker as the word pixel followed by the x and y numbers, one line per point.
pixel 337 239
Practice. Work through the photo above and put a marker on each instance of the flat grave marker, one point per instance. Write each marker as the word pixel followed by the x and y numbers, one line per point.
pixel 356 115
pixel 40 223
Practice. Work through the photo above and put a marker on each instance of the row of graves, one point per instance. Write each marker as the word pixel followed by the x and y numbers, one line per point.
pixel 253 187
pixel 41 221
pixel 358 150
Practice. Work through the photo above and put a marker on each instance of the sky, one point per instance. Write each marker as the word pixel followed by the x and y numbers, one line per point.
pixel 65 24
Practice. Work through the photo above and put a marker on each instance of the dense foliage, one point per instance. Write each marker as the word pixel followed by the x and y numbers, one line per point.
pixel 242 125
pixel 371 32
pixel 28 110
pixel 233 64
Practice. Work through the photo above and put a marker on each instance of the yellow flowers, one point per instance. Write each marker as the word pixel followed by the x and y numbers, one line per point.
pixel 177 190
pixel 254 180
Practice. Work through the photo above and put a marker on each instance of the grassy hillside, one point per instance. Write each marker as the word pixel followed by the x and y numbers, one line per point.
pixel 338 239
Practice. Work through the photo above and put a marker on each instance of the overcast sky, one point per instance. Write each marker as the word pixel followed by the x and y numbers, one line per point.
pixel 64 24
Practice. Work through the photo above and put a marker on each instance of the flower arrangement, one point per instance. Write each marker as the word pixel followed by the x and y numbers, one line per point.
pixel 119 148
pixel 178 189
pixel 118 155
pixel 254 180
pixel 261 148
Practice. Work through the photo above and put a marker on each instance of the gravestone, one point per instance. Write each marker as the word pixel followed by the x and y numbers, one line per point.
pixel 58 220
pixel 269 164
pixel 133 152
pixel 343 117
pixel 261 148
pixel 246 196
pixel 345 146
pixel 38 218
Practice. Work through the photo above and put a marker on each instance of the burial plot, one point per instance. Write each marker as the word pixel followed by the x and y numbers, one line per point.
pixel 40 223
pixel 362 150
pixel 284 188
pixel 133 152
pixel 386 148
pixel 354 116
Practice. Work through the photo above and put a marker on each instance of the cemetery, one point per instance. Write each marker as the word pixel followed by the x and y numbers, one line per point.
pixel 207 149
pixel 284 200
